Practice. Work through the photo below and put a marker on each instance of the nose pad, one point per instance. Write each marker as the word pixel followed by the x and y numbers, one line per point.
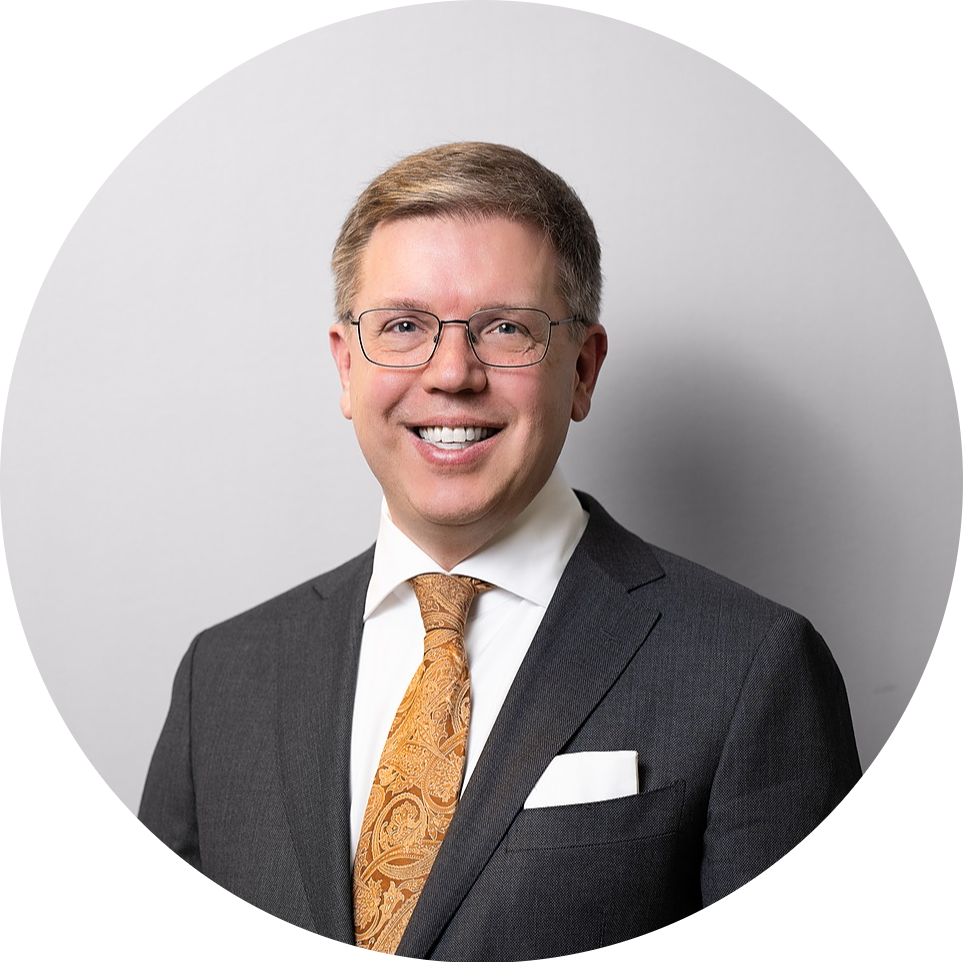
pixel 455 367
pixel 469 338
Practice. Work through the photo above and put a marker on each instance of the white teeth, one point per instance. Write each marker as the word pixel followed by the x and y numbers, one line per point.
pixel 445 437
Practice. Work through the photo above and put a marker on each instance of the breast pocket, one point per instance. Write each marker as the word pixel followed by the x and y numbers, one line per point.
pixel 640 816
pixel 571 878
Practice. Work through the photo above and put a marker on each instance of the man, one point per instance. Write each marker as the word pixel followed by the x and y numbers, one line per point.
pixel 512 729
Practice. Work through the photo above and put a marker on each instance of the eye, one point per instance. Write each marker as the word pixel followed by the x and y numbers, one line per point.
pixel 505 328
pixel 392 324
pixel 402 326
pixel 506 333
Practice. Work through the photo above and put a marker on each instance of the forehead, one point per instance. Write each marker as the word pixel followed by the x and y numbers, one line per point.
pixel 451 264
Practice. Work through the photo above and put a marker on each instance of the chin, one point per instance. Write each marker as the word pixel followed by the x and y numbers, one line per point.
pixel 455 516
pixel 450 506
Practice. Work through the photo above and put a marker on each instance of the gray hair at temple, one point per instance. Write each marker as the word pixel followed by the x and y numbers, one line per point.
pixel 469 180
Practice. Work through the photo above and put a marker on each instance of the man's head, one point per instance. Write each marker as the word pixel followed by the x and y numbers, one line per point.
pixel 432 245
pixel 470 181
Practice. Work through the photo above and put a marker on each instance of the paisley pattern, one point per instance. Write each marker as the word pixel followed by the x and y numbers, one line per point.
pixel 418 781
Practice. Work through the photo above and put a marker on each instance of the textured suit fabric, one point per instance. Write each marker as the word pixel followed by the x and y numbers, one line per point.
pixel 733 703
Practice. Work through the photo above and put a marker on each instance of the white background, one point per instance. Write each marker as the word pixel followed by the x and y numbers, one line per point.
pixel 776 404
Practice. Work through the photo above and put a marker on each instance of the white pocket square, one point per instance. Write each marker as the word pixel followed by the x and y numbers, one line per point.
pixel 583 777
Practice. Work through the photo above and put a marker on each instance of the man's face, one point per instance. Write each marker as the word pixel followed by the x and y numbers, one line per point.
pixel 460 498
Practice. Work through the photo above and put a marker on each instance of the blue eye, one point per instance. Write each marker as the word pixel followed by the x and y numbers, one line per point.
pixel 402 326
pixel 500 328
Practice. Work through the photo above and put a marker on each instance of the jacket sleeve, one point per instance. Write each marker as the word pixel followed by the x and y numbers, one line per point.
pixel 788 759
pixel 167 807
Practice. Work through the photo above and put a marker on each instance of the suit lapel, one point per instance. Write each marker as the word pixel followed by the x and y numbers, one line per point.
pixel 317 669
pixel 591 630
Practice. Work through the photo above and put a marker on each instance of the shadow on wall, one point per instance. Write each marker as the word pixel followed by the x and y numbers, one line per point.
pixel 709 458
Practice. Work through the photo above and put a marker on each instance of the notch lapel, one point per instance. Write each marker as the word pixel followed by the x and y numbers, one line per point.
pixel 318 651
pixel 591 630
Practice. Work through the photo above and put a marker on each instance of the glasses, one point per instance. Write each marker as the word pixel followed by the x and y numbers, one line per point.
pixel 499 337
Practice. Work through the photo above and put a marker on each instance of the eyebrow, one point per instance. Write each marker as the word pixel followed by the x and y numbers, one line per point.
pixel 410 304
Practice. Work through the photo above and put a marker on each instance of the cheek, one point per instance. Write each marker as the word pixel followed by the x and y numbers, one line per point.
pixel 548 413
pixel 375 396
pixel 556 399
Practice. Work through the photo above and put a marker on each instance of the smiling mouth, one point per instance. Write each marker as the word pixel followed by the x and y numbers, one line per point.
pixel 453 438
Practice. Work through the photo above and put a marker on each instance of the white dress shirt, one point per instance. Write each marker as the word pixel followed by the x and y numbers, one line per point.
pixel 525 562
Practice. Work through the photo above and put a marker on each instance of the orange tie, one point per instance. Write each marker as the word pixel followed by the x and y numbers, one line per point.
pixel 419 776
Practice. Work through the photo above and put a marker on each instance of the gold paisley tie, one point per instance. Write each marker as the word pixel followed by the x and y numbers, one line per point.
pixel 419 777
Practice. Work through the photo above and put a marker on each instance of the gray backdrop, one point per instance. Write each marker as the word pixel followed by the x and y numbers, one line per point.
pixel 776 403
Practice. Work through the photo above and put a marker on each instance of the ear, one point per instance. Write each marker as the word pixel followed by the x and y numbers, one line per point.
pixel 341 351
pixel 595 346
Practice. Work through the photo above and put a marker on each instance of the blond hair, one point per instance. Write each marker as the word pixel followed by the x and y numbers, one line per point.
pixel 476 179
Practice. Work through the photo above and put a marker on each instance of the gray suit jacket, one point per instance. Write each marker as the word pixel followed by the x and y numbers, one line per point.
pixel 733 703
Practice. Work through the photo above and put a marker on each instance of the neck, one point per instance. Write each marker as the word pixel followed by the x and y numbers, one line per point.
pixel 450 544
pixel 451 538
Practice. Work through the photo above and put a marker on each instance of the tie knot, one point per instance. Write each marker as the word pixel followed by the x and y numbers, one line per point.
pixel 446 599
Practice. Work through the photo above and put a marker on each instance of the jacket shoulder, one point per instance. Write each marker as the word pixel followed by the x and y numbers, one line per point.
pixel 696 582
pixel 697 600
pixel 252 626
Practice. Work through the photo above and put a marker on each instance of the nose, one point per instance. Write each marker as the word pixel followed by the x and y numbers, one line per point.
pixel 453 366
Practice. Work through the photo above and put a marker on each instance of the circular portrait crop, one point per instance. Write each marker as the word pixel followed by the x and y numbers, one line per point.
pixel 500 502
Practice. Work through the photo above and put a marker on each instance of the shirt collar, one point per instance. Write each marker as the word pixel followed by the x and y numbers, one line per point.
pixel 526 558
